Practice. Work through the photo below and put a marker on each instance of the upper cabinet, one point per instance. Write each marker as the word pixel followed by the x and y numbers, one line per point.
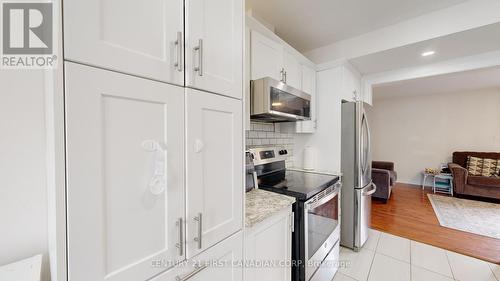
pixel 142 38
pixel 308 86
pixel 145 38
pixel 292 71
pixel 214 46
pixel 351 84
pixel 266 57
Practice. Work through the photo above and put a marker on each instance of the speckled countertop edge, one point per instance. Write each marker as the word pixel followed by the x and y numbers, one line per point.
pixel 261 204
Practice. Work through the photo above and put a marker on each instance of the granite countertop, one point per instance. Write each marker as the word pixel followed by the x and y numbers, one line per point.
pixel 261 204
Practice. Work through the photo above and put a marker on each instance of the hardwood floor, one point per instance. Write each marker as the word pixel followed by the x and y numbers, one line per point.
pixel 409 214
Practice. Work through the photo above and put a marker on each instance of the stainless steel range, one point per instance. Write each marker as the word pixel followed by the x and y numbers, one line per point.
pixel 315 244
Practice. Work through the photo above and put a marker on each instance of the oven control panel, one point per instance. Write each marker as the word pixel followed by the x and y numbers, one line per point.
pixel 264 155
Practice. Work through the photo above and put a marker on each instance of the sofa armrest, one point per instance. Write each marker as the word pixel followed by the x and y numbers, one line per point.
pixel 382 179
pixel 460 175
pixel 383 165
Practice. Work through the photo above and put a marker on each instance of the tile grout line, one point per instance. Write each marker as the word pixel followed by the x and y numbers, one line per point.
pixel 411 266
pixel 371 265
pixel 449 264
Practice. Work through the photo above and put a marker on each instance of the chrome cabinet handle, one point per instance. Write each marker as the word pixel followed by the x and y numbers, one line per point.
pixel 200 224
pixel 180 245
pixel 178 45
pixel 282 73
pixel 285 76
pixel 199 48
pixel 190 275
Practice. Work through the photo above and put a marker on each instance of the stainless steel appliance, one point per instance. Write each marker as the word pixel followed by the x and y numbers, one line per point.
pixel 274 101
pixel 250 174
pixel 315 243
pixel 356 175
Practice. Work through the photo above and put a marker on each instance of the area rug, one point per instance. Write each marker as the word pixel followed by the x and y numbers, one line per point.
pixel 467 215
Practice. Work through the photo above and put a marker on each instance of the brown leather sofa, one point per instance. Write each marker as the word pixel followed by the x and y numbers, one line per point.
pixel 465 184
pixel 384 177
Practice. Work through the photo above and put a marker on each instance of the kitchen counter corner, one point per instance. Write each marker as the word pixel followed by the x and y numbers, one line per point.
pixel 261 204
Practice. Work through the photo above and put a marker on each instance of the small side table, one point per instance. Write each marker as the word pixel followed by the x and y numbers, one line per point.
pixel 427 175
pixel 443 183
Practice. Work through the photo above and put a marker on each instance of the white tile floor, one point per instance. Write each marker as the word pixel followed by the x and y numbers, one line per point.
pixel 386 257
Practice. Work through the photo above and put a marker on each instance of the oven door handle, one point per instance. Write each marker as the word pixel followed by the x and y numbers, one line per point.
pixel 312 205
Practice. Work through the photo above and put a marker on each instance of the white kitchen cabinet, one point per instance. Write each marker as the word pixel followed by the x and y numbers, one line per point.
pixel 142 38
pixel 207 266
pixel 125 174
pixel 293 70
pixel 308 78
pixel 214 169
pixel 308 86
pixel 214 46
pixel 266 57
pixel 270 240
pixel 351 83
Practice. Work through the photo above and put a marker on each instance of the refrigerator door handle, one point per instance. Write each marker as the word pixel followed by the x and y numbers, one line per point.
pixel 371 191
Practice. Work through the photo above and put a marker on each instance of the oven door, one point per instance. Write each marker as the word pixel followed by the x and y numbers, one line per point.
pixel 322 231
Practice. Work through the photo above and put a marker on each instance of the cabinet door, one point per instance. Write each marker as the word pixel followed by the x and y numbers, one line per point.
pixel 228 253
pixel 293 71
pixel 207 266
pixel 135 37
pixel 125 174
pixel 351 84
pixel 214 169
pixel 214 46
pixel 269 241
pixel 266 57
pixel 309 86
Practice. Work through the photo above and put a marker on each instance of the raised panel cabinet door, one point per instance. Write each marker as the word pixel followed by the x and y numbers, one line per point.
pixel 270 241
pixel 214 46
pixel 214 169
pixel 293 71
pixel 266 57
pixel 143 38
pixel 219 263
pixel 223 262
pixel 309 86
pixel 125 175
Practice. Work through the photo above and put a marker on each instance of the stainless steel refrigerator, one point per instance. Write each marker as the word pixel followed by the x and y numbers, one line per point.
pixel 357 185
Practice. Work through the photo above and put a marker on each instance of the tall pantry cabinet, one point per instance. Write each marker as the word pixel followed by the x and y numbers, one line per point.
pixel 154 139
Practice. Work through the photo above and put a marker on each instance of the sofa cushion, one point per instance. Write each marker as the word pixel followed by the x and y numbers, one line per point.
pixel 489 167
pixel 484 181
pixel 475 165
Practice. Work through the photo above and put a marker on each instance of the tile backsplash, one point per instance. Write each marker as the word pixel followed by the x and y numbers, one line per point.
pixel 267 134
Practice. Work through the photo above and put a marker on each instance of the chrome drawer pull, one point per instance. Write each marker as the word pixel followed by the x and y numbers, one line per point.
pixel 190 275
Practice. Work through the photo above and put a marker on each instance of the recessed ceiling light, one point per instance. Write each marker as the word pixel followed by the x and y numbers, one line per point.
pixel 429 53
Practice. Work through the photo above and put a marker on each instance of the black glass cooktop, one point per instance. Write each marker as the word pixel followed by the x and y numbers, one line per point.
pixel 299 184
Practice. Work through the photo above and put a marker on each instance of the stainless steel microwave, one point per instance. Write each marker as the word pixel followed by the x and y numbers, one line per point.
pixel 274 101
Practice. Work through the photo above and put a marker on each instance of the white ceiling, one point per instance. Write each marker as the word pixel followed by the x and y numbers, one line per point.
pixel 448 83
pixel 310 24
pixel 466 43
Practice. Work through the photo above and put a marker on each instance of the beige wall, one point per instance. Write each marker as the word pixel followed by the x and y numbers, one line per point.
pixel 422 131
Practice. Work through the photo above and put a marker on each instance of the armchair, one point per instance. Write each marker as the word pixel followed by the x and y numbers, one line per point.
pixel 384 177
